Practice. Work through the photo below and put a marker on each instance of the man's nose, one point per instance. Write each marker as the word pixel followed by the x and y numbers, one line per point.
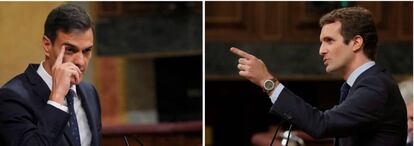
pixel 322 50
pixel 78 59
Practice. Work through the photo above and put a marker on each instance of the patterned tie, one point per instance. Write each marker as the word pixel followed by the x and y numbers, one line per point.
pixel 344 91
pixel 73 123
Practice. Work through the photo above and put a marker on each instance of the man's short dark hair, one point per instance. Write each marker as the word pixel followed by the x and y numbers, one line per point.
pixel 355 21
pixel 67 18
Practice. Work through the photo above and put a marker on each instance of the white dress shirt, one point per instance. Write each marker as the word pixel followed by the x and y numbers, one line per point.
pixel 350 81
pixel 83 126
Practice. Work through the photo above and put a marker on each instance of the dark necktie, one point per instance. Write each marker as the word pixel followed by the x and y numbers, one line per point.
pixel 73 123
pixel 344 91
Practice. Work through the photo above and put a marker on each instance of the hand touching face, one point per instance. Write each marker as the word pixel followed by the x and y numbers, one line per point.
pixel 67 59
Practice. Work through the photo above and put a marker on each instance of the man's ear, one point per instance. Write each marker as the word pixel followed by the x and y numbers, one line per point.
pixel 47 46
pixel 358 43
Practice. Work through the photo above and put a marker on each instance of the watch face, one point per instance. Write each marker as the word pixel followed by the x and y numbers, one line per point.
pixel 268 85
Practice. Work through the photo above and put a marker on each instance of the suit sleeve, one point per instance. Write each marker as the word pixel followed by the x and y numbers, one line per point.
pixel 19 127
pixel 361 108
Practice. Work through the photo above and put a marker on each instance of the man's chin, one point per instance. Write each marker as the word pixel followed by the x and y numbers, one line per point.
pixel 73 82
pixel 331 70
pixel 328 69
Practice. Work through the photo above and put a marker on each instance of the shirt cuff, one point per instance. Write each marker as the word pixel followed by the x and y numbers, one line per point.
pixel 276 93
pixel 57 105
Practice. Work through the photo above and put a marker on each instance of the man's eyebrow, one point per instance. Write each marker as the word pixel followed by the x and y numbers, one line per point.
pixel 74 46
pixel 70 45
pixel 327 37
pixel 90 47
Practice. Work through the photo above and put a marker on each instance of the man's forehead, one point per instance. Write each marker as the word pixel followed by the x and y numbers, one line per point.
pixel 75 32
pixel 335 24
pixel 78 45
pixel 330 29
pixel 76 39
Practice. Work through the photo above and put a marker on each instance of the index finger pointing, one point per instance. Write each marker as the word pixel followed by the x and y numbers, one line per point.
pixel 241 53
pixel 59 59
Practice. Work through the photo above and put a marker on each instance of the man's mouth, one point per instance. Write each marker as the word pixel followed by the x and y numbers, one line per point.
pixel 325 61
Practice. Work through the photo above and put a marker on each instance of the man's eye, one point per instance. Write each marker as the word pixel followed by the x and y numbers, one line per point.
pixel 87 50
pixel 329 41
pixel 70 49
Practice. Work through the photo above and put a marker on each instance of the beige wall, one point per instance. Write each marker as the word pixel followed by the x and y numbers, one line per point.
pixel 21 29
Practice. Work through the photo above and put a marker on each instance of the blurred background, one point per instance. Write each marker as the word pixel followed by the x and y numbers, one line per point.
pixel 146 66
pixel 285 35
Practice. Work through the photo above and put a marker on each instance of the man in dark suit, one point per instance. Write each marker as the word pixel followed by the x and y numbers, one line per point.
pixel 371 111
pixel 48 104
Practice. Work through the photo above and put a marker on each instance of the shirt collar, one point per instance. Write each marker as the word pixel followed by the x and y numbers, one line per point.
pixel 355 74
pixel 47 78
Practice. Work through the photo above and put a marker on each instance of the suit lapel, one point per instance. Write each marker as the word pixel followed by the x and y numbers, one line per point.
pixel 69 136
pixel 39 87
pixel 372 70
pixel 86 106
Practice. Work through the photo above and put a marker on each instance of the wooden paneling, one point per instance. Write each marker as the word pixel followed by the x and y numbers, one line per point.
pixel 163 134
pixel 405 22
pixel 231 21
pixel 303 24
pixel 109 84
pixel 385 22
pixel 393 20
pixel 296 21
pixel 270 15
pixel 122 9
pixel 224 13
pixel 130 36
pixel 243 21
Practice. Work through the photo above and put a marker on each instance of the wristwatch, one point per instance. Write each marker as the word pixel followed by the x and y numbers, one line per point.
pixel 269 85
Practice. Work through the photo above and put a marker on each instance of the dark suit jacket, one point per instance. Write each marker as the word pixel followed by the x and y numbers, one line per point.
pixel 373 114
pixel 27 119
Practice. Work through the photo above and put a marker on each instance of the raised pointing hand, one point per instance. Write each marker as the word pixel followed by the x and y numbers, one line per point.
pixel 251 67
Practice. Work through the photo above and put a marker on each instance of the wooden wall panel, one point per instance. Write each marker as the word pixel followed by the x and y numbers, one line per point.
pixel 270 17
pixel 244 21
pixel 303 23
pixel 393 20
pixel 405 22
pixel 296 21
pixel 162 134
pixel 109 84
pixel 224 13
pixel 234 21
pixel 385 22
